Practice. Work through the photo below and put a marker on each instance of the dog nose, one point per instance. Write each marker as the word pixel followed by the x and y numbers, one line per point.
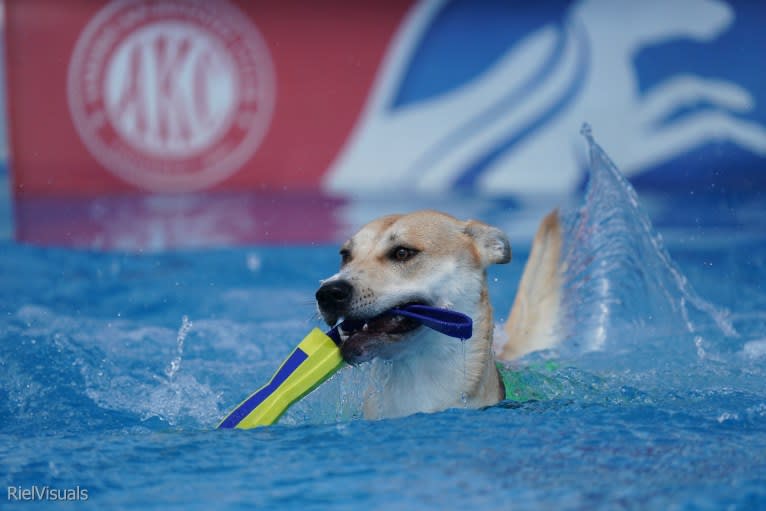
pixel 335 295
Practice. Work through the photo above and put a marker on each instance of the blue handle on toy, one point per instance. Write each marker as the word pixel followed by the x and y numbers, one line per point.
pixel 445 321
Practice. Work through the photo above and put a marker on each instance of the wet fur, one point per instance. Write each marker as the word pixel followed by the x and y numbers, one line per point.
pixel 424 371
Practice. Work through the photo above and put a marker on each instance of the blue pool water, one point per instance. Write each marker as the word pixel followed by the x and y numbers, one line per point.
pixel 115 368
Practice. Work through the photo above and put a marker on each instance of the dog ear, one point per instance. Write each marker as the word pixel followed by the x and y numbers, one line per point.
pixel 492 243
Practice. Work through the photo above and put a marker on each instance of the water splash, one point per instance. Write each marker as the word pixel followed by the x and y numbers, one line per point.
pixel 618 276
pixel 180 395
pixel 85 373
pixel 339 399
pixel 175 364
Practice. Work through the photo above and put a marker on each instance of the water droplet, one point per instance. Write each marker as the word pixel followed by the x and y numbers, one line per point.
pixel 463 395
pixel 701 353
pixel 253 262
pixel 175 364
pixel 726 416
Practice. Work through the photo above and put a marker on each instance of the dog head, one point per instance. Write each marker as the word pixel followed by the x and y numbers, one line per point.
pixel 425 257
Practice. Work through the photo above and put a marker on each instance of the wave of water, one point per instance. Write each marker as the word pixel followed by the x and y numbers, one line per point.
pixel 619 280
pixel 94 374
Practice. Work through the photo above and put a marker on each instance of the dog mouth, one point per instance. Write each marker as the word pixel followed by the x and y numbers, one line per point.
pixel 364 339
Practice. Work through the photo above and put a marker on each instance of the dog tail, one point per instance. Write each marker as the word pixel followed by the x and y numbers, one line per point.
pixel 533 322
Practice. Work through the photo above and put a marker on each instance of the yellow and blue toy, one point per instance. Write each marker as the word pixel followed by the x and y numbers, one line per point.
pixel 317 357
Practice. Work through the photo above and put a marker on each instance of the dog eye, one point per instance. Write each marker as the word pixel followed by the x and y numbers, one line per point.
pixel 402 254
pixel 345 256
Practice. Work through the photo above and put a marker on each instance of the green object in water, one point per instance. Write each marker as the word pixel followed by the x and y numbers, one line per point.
pixel 529 383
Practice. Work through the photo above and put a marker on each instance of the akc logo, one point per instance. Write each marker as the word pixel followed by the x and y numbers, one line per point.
pixel 171 95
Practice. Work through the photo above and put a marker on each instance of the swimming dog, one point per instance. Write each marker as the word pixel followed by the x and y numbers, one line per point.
pixel 434 259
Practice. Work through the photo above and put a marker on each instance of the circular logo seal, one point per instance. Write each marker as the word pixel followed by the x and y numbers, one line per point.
pixel 171 95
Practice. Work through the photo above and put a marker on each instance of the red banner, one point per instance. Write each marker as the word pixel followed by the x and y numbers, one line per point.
pixel 178 95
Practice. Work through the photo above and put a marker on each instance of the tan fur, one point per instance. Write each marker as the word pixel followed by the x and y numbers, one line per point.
pixel 533 321
pixel 425 371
